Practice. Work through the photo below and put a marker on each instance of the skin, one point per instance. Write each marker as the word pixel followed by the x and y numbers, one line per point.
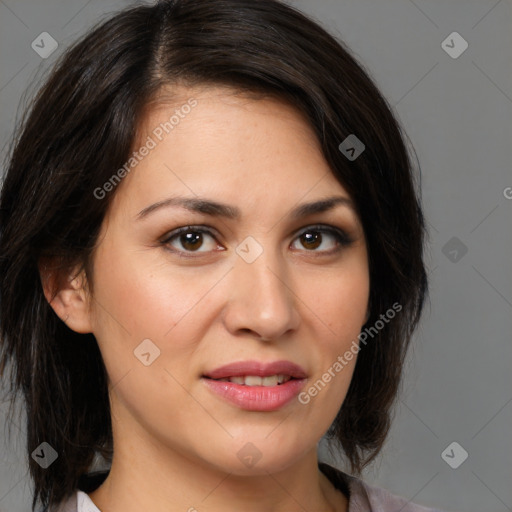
pixel 175 442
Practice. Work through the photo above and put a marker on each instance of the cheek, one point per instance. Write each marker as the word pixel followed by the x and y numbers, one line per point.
pixel 341 311
pixel 141 294
pixel 140 299
pixel 341 303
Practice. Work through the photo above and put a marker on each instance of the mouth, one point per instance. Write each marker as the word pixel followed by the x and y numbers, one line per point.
pixel 256 386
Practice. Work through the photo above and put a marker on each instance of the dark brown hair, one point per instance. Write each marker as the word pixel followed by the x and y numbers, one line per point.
pixel 81 127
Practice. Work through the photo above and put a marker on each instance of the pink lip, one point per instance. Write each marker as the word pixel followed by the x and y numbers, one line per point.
pixel 241 368
pixel 257 398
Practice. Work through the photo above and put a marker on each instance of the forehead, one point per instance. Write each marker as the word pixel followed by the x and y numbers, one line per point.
pixel 243 147
pixel 228 109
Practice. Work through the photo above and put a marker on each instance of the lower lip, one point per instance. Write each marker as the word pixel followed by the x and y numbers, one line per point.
pixel 256 398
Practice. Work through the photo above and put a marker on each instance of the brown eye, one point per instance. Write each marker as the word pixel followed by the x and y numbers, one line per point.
pixel 191 239
pixel 314 237
pixel 311 240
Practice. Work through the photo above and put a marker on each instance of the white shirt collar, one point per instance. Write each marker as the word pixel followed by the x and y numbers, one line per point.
pixel 85 504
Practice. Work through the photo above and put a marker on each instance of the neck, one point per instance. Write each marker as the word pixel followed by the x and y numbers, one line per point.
pixel 171 482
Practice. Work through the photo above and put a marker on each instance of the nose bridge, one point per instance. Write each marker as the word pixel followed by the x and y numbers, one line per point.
pixel 262 299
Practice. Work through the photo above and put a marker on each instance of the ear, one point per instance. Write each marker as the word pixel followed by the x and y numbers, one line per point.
pixel 67 294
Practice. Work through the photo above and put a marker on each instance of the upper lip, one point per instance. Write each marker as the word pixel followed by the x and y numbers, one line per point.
pixel 244 368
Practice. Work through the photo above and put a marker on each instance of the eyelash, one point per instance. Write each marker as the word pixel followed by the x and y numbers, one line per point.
pixel 340 236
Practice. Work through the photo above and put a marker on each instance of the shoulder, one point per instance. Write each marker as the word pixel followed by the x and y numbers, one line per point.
pixel 79 501
pixel 381 500
pixel 364 497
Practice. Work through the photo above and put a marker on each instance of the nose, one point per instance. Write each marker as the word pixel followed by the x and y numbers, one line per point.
pixel 262 300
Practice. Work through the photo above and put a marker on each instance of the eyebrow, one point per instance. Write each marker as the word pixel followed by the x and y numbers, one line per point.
pixel 216 209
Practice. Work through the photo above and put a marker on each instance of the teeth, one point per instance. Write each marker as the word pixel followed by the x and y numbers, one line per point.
pixel 253 380
pixel 250 380
pixel 271 380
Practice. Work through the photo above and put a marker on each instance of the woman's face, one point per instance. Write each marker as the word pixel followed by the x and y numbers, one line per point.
pixel 265 285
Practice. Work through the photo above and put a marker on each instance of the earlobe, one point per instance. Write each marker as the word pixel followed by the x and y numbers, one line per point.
pixel 67 296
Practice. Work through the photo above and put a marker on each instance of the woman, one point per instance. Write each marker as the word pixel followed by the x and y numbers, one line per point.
pixel 211 255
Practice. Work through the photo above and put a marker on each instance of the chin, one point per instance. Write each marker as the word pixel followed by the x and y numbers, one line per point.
pixel 257 457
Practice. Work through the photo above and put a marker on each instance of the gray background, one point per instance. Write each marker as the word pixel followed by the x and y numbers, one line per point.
pixel 458 114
